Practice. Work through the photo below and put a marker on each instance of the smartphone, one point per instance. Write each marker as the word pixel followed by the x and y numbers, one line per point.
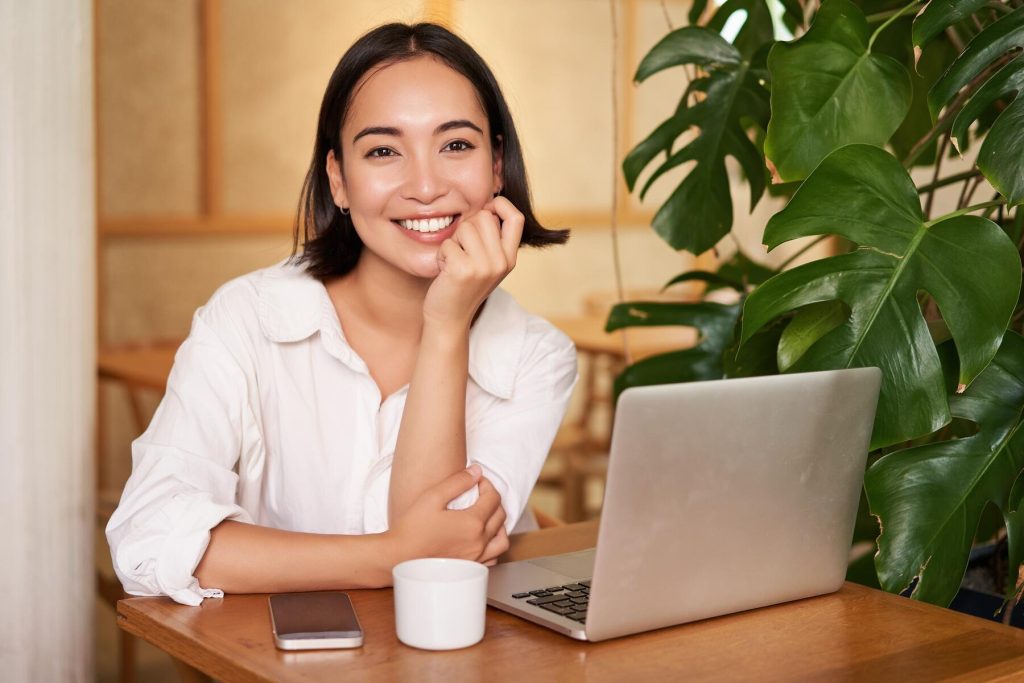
pixel 314 621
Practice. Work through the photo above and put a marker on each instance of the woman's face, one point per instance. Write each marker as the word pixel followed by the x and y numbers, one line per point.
pixel 416 158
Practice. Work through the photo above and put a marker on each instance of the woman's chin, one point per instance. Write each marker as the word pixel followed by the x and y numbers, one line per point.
pixel 427 269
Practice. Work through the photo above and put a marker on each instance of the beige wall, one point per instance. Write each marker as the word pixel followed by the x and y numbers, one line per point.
pixel 553 59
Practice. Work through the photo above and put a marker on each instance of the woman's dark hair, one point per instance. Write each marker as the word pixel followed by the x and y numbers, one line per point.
pixel 331 246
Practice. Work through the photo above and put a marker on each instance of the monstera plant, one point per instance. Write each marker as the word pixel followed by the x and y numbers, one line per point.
pixel 835 119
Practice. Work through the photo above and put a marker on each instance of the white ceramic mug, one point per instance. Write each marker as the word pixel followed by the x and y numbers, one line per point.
pixel 440 603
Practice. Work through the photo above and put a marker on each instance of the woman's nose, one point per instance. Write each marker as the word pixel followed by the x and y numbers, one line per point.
pixel 424 181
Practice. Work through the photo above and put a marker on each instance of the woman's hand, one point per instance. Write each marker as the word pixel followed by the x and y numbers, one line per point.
pixel 473 261
pixel 429 529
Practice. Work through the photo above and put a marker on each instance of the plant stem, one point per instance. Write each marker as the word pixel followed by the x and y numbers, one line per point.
pixel 991 209
pixel 935 176
pixel 965 210
pixel 803 250
pixel 966 175
pixel 952 108
pixel 891 19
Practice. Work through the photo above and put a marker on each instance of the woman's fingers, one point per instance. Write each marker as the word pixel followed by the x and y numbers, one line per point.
pixel 490 235
pixel 450 256
pixel 512 221
pixel 495 522
pixel 451 488
pixel 495 547
pixel 480 237
pixel 489 500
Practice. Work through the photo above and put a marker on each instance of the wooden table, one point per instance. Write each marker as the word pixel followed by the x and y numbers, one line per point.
pixel 146 366
pixel 857 634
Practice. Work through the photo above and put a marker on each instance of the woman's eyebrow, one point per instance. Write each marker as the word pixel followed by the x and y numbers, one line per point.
pixel 396 132
pixel 458 123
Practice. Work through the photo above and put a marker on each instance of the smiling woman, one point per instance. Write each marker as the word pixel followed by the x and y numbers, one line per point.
pixel 376 397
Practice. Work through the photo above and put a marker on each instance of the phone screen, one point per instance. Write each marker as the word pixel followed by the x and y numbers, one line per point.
pixel 314 615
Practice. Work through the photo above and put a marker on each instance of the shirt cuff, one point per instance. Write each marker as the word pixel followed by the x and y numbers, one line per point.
pixel 164 563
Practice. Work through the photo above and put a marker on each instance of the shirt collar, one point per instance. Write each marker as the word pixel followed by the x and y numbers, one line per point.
pixel 293 305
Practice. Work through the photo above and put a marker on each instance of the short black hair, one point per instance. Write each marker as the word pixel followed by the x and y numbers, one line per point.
pixel 330 245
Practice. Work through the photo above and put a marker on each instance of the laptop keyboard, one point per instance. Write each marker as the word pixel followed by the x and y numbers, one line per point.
pixel 569 601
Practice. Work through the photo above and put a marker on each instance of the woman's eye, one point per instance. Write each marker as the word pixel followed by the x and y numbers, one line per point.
pixel 458 146
pixel 380 153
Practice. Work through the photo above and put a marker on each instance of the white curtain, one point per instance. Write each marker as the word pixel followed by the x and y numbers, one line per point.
pixel 47 340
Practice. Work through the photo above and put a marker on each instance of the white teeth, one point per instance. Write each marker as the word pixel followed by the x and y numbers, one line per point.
pixel 427 224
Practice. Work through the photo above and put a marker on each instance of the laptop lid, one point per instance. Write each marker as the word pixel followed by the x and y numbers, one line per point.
pixel 728 495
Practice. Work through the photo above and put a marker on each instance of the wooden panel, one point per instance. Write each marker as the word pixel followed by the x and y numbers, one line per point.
pixel 276 60
pixel 556 75
pixel 154 285
pixel 148 106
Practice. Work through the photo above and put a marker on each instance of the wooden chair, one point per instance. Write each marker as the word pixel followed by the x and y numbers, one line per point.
pixel 138 368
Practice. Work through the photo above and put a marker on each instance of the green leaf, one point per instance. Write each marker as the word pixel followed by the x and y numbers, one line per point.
pixel 942 13
pixel 930 498
pixel 698 213
pixel 757 29
pixel 736 273
pixel 716 323
pixel 658 141
pixel 1000 156
pixel 933 62
pixel 966 263
pixel 811 323
pixel 743 269
pixel 687 45
pixel 756 358
pixel 829 90
pixel 998 38
pixel 713 280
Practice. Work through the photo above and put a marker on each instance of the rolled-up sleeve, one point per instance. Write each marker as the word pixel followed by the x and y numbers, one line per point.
pixel 183 480
pixel 511 439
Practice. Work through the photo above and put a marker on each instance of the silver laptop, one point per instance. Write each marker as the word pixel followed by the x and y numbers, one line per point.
pixel 722 496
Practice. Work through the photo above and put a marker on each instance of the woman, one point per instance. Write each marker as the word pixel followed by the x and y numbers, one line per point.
pixel 320 417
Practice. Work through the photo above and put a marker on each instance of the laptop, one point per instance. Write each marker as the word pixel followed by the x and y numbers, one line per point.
pixel 722 496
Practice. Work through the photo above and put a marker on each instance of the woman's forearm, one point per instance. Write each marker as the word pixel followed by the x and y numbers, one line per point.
pixel 245 558
pixel 432 437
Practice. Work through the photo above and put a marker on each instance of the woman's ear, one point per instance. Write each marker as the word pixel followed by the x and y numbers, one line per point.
pixel 499 157
pixel 337 180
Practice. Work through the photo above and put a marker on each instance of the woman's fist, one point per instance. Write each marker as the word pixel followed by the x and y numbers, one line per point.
pixel 429 529
pixel 472 262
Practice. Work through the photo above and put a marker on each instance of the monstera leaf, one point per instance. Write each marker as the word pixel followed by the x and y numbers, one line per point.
pixel 942 13
pixel 966 263
pixel 757 29
pixel 930 498
pixel 829 89
pixel 1000 158
pixel 699 211
pixel 739 272
pixel 716 323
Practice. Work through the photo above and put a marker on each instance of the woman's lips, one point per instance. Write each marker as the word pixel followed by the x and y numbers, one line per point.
pixel 430 237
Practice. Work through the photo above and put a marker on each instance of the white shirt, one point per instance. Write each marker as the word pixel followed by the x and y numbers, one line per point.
pixel 271 418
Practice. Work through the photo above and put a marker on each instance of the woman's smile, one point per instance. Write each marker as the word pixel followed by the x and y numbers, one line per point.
pixel 429 230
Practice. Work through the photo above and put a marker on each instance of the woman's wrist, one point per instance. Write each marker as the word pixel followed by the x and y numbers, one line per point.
pixel 445 336
pixel 391 550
